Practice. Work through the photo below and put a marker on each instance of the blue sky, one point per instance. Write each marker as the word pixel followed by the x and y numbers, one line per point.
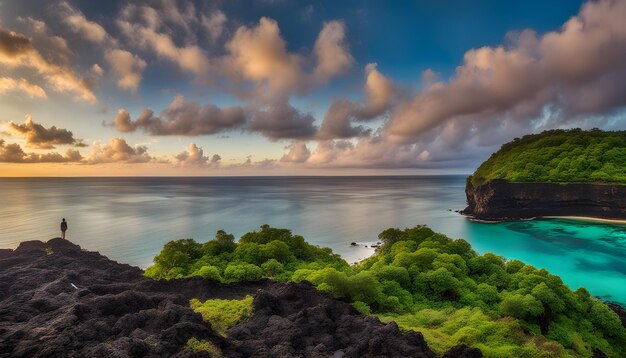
pixel 292 87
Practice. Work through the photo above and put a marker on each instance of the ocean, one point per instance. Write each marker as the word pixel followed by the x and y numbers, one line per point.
pixel 130 219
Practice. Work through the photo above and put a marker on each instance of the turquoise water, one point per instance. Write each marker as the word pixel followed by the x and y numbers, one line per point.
pixel 587 254
pixel 129 219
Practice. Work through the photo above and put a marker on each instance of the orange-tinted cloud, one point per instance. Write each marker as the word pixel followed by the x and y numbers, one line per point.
pixel 331 51
pixel 259 55
pixel 117 150
pixel 13 153
pixel 16 50
pixel 194 157
pixel 22 85
pixel 127 67
pixel 298 153
pixel 38 136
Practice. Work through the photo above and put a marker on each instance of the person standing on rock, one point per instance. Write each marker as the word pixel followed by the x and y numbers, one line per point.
pixel 63 228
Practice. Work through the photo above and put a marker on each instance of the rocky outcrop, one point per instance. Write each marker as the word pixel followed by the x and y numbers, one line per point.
pixel 621 311
pixel 294 320
pixel 57 300
pixel 502 200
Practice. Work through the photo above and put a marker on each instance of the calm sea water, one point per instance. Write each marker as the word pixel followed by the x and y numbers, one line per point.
pixel 129 219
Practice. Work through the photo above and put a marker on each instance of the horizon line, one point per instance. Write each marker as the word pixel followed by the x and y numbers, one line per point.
pixel 235 176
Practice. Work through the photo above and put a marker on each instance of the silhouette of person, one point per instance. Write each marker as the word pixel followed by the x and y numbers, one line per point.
pixel 63 228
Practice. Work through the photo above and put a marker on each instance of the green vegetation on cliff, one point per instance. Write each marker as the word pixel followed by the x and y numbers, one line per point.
pixel 423 281
pixel 559 156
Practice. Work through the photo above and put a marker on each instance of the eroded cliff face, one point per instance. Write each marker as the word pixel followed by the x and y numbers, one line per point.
pixel 501 200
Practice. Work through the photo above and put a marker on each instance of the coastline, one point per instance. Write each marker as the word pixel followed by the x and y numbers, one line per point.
pixel 587 218
pixel 567 217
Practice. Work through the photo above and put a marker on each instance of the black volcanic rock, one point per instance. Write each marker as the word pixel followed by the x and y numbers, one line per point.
pixel 501 200
pixel 57 300
pixel 621 312
pixel 294 319
pixel 463 351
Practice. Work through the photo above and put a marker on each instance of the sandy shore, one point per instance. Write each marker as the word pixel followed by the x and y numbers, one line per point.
pixel 588 218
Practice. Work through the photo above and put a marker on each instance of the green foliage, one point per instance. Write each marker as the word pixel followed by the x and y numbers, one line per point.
pixel 270 252
pixel 242 272
pixel 208 271
pixel 223 314
pixel 198 346
pixel 422 280
pixel 559 156
pixel 272 268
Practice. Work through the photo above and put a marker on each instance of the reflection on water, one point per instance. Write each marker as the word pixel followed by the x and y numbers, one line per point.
pixel 129 219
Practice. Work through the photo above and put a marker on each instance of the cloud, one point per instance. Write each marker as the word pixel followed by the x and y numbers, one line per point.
pixel 194 157
pixel 127 67
pixel 143 25
pixel 282 121
pixel 576 71
pixel 379 91
pixel 21 85
pixel 333 57
pixel 51 46
pixel 214 24
pixel 575 76
pixel 298 153
pixel 37 136
pixel 13 153
pixel 328 151
pixel 16 50
pixel 259 55
pixel 337 122
pixel 117 150
pixel 261 164
pixel 77 22
pixel 183 118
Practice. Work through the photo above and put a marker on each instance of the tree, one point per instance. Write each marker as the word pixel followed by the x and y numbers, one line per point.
pixel 389 236
pixel 222 243
pixel 242 272
pixel 209 272
pixel 272 268
pixel 439 284
pixel 178 253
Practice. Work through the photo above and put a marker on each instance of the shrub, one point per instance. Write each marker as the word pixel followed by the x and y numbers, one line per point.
pixel 197 346
pixel 223 314
pixel 272 268
pixel 208 271
pixel 242 272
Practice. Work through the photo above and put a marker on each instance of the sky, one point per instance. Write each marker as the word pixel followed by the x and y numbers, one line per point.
pixel 285 87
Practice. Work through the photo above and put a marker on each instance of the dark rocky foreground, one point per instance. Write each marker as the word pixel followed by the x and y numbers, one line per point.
pixel 501 200
pixel 57 300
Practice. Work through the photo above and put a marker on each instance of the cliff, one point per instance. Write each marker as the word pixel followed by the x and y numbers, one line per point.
pixel 500 200
pixel 58 300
